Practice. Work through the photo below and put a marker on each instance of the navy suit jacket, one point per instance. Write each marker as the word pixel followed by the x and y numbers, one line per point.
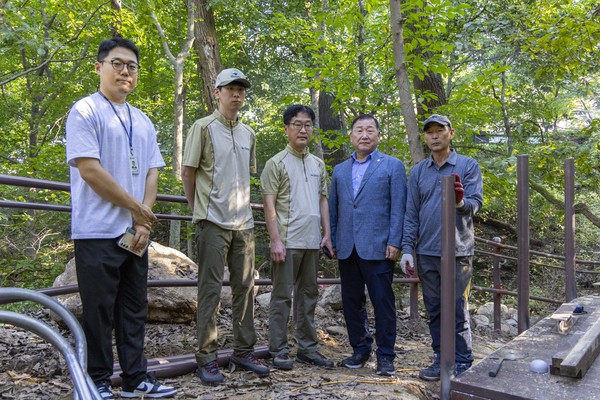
pixel 374 219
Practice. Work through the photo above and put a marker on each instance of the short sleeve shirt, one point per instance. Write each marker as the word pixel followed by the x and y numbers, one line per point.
pixel 223 153
pixel 94 131
pixel 298 180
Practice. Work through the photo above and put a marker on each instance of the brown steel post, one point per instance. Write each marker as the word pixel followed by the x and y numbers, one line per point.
pixel 570 283
pixel 497 285
pixel 448 289
pixel 414 300
pixel 523 241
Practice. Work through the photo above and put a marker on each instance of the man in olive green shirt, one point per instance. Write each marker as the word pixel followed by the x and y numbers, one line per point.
pixel 294 185
pixel 218 159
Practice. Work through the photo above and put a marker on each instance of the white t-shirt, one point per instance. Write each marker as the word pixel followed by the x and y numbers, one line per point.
pixel 94 131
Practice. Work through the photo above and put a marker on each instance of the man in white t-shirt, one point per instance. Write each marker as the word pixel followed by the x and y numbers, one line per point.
pixel 114 158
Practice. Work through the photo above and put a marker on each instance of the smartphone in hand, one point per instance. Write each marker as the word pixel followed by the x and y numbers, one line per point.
pixel 124 242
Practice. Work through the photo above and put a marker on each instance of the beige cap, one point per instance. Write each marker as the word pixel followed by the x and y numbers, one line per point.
pixel 230 75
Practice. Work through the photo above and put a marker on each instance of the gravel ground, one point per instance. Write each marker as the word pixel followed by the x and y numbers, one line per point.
pixel 31 368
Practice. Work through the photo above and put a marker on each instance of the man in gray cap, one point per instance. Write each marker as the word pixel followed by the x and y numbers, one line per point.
pixel 218 159
pixel 422 234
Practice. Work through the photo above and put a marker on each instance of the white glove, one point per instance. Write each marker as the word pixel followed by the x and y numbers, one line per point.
pixel 408 264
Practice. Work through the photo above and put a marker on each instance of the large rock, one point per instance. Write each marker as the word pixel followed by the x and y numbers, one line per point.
pixel 165 304
pixel 331 296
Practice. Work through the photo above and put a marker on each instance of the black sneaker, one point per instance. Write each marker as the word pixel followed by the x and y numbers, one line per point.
pixel 315 358
pixel 386 367
pixel 105 391
pixel 250 363
pixel 356 361
pixel 459 368
pixel 283 361
pixel 210 374
pixel 431 373
pixel 149 388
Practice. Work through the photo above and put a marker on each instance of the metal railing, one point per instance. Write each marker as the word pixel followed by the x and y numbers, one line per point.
pixel 76 359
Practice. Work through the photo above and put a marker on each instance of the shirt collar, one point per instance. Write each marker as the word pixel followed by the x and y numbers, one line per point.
pixel 374 154
pixel 450 160
pixel 291 150
pixel 225 121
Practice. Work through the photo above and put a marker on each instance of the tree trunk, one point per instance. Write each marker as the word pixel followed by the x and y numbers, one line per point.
pixel 116 21
pixel 332 123
pixel 209 65
pixel 178 104
pixel 431 83
pixel 314 104
pixel 207 47
pixel 403 82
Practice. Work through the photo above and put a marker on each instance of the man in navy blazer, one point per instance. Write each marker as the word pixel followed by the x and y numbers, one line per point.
pixel 366 205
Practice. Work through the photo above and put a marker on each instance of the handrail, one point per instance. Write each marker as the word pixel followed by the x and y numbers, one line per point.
pixel 76 360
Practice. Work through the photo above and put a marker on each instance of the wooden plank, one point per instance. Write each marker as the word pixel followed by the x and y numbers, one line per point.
pixel 558 358
pixel 583 355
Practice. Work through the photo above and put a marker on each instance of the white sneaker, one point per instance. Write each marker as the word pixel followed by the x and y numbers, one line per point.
pixel 149 388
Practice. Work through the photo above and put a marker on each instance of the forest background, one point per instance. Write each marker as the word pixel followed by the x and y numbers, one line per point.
pixel 515 77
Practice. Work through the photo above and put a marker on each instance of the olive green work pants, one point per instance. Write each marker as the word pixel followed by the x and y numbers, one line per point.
pixel 298 273
pixel 217 247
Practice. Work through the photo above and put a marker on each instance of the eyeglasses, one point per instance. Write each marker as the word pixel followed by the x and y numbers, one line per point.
pixel 298 126
pixel 118 65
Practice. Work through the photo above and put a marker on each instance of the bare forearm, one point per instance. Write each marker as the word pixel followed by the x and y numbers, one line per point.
pixel 188 178
pixel 271 218
pixel 151 187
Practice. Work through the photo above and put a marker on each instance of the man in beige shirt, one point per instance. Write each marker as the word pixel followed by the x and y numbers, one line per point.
pixel 294 185
pixel 218 159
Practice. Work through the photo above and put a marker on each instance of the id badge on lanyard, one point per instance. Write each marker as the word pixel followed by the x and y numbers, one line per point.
pixel 135 169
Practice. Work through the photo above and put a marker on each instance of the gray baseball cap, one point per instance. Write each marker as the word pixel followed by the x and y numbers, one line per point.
pixel 438 119
pixel 231 75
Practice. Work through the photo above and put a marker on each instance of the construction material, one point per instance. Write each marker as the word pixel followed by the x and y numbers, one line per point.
pixel 578 360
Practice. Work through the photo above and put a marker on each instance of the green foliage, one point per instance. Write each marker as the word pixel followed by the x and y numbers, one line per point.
pixel 519 77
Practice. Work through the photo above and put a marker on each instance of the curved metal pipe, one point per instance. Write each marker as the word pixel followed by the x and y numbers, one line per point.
pixel 80 378
pixel 14 294
pixel 72 323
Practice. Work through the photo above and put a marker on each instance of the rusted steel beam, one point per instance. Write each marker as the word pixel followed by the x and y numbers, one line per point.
pixel 168 367
pixel 497 285
pixel 523 241
pixel 448 289
pixel 570 282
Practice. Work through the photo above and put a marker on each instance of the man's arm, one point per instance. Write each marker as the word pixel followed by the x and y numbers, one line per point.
pixel 473 187
pixel 105 186
pixel 188 177
pixel 411 216
pixel 333 213
pixel 142 234
pixel 277 247
pixel 325 223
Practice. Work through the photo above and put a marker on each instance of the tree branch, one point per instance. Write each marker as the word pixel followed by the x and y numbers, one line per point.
pixel 580 208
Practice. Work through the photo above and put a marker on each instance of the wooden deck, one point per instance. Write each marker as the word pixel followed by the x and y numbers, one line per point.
pixel 543 341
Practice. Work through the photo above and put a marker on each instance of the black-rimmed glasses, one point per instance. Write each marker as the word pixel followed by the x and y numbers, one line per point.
pixel 118 65
pixel 298 126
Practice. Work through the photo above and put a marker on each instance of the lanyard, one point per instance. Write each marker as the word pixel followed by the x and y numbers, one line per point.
pixel 128 133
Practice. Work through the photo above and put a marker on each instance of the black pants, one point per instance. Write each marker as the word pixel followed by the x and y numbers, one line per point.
pixel 376 275
pixel 113 288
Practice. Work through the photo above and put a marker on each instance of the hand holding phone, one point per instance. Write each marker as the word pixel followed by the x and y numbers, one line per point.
pixel 124 242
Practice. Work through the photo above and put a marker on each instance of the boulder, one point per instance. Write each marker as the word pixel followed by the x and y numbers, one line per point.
pixel 165 304
pixel 331 296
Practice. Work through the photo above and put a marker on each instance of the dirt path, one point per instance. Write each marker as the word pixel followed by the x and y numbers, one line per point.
pixel 31 369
